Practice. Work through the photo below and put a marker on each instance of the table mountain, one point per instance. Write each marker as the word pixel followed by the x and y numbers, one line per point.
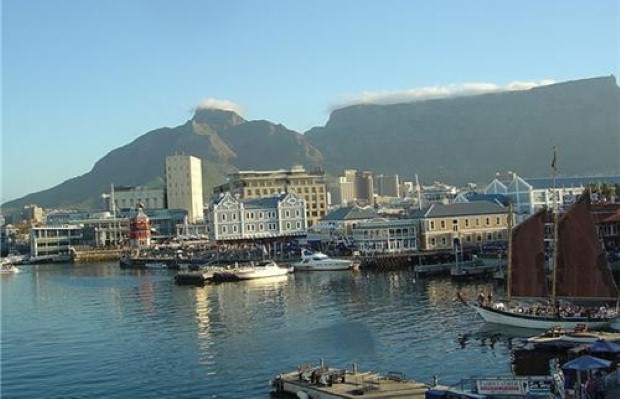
pixel 455 140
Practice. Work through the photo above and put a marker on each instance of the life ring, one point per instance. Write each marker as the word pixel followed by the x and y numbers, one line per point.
pixel 520 309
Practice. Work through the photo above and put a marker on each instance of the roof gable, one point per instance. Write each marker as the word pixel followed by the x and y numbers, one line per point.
pixel 459 209
pixel 351 213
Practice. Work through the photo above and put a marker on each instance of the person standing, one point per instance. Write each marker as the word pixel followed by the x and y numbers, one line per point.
pixel 600 386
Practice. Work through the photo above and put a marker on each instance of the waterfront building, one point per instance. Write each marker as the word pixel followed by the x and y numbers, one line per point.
pixel 310 186
pixel 184 185
pixel 384 235
pixel 128 197
pixel 339 223
pixel 607 219
pixel 282 215
pixel 529 195
pixel 99 228
pixel 442 226
pixel 52 242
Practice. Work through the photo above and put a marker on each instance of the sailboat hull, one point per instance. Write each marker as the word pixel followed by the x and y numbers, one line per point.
pixel 499 316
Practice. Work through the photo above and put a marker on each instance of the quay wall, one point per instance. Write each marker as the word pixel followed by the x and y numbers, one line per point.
pixel 97 255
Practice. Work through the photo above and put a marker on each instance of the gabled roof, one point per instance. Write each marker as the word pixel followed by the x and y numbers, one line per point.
pixel 460 209
pixel 254 203
pixel 495 187
pixel 518 184
pixel 351 213
pixel 263 203
pixel 539 183
pixel 499 199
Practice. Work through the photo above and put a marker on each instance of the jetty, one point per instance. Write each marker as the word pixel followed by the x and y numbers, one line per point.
pixel 331 383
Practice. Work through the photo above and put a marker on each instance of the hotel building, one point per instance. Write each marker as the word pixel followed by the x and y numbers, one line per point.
pixel 263 184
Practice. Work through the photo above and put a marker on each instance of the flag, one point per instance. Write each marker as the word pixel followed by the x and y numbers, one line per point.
pixel 554 161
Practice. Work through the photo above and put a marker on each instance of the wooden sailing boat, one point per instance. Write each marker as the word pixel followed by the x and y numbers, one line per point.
pixel 579 273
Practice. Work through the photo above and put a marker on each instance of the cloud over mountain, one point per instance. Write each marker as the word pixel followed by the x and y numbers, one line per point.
pixel 224 105
pixel 431 93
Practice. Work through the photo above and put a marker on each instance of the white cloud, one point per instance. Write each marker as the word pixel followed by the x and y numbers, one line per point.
pixel 225 105
pixel 431 92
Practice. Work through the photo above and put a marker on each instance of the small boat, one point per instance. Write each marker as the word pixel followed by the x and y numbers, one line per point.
pixel 8 268
pixel 251 272
pixel 318 261
pixel 578 273
pixel 578 335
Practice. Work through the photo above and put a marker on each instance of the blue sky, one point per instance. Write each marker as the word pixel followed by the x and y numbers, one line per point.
pixel 83 77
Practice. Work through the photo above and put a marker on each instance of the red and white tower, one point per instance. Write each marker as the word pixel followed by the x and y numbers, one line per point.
pixel 139 229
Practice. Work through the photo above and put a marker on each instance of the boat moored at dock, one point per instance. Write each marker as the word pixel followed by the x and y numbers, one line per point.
pixel 326 382
pixel 251 272
pixel 318 261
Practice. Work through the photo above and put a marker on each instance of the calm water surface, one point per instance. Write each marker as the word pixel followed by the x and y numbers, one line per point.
pixel 96 330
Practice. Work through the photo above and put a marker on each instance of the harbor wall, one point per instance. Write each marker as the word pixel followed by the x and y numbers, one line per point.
pixel 97 255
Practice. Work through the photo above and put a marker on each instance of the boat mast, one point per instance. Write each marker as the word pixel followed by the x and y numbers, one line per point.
pixel 113 203
pixel 509 256
pixel 555 212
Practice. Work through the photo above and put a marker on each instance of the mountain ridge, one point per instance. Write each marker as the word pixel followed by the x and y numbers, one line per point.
pixel 455 140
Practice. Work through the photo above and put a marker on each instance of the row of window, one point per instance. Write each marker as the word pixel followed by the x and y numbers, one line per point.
pixel 390 233
pixel 258 215
pixel 260 227
pixel 455 223
pixel 467 239
pixel 292 182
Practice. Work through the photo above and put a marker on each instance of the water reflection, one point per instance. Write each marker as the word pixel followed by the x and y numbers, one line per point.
pixel 186 341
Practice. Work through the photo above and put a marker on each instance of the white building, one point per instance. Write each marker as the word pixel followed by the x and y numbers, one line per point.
pixel 386 236
pixel 283 215
pixel 54 243
pixel 184 185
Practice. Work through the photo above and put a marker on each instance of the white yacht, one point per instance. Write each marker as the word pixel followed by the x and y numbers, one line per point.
pixel 311 261
pixel 253 271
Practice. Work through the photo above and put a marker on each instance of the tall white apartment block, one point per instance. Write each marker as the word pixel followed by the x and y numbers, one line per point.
pixel 184 185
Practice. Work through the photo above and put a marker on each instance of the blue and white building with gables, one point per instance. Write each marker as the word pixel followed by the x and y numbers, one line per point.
pixel 283 215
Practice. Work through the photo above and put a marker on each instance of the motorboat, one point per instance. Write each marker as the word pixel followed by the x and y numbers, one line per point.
pixel 252 271
pixel 315 261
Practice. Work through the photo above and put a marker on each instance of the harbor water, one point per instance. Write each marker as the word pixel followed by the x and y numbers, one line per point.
pixel 96 330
